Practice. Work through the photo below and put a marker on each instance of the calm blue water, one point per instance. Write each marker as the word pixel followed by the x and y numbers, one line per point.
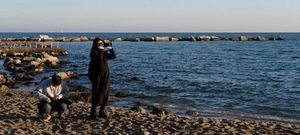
pixel 218 79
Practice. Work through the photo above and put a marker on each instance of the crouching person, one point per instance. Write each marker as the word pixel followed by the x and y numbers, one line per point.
pixel 52 94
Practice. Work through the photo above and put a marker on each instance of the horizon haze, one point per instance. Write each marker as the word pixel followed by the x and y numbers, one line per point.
pixel 150 16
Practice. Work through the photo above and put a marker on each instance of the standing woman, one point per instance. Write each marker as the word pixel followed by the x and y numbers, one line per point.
pixel 99 75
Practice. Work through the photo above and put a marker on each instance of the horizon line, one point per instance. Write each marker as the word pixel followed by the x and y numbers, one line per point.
pixel 144 32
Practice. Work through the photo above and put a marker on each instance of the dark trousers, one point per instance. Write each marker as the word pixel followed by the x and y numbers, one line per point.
pixel 47 108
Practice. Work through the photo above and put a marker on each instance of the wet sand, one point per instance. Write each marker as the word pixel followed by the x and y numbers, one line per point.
pixel 18 115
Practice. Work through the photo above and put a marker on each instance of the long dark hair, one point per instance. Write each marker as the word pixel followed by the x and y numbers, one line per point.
pixel 94 47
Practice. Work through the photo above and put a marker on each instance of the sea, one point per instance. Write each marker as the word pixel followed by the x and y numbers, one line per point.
pixel 217 79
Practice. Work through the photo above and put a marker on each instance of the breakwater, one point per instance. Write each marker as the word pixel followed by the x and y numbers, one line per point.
pixel 143 39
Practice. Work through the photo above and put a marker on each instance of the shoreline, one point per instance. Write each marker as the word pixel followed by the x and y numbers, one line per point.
pixel 19 115
pixel 182 112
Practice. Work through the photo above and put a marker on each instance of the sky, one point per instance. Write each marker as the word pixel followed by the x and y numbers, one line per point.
pixel 149 15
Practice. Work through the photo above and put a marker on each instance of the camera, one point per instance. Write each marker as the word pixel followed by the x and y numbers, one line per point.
pixel 107 43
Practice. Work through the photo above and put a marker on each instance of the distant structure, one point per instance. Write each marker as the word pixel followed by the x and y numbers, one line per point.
pixel 42 44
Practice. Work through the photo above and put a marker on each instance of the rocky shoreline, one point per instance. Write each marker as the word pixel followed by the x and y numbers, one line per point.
pixel 18 115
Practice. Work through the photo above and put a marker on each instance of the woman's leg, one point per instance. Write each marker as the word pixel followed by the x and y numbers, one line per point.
pixel 62 108
pixel 46 109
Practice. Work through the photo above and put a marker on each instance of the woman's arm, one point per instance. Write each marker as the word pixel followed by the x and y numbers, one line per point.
pixel 111 54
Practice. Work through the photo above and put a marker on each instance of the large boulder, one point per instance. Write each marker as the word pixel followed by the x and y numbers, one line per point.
pixel 84 39
pixel 75 40
pixel 204 38
pixel 243 38
pixel 118 40
pixel 3 89
pixel 132 39
pixel 15 69
pixel 262 39
pixel 50 58
pixel 214 38
pixel 174 39
pixel 5 80
pixel 35 64
pixel 162 39
pixel 28 59
pixel 8 62
pixel 66 75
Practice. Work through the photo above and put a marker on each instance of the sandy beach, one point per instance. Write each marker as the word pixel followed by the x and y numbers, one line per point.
pixel 18 115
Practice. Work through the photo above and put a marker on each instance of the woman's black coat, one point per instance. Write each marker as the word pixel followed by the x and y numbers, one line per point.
pixel 99 75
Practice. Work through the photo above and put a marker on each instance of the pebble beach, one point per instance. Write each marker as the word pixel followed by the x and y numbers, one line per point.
pixel 19 115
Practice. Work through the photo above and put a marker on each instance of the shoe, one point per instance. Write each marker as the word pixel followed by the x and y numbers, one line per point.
pixel 62 117
pixel 47 118
pixel 103 114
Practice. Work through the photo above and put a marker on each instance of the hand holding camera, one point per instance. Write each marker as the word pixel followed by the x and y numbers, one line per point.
pixel 106 44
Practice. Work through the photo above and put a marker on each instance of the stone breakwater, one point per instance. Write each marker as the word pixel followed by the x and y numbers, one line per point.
pixel 144 39
pixel 18 115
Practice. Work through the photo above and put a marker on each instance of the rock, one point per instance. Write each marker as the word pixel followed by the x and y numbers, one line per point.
pixel 17 62
pixel 35 64
pixel 111 109
pixel 52 64
pixel 122 94
pixel 5 80
pixel 75 40
pixel 243 38
pixel 9 94
pixel 162 39
pixel 118 40
pixel 214 38
pixel 66 75
pixel 59 39
pixel 92 38
pixel 159 110
pixel 86 97
pixel 3 89
pixel 132 39
pixel 203 38
pixel 187 39
pixel 262 39
pixel 174 39
pixel 138 109
pixel 28 59
pixel 15 69
pixel 135 78
pixel 150 39
pixel 279 38
pixel 30 83
pixel 50 58
pixel 192 113
pixel 25 78
pixel 39 70
pixel 84 39
pixel 8 62
pixel 234 39
pixel 146 133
